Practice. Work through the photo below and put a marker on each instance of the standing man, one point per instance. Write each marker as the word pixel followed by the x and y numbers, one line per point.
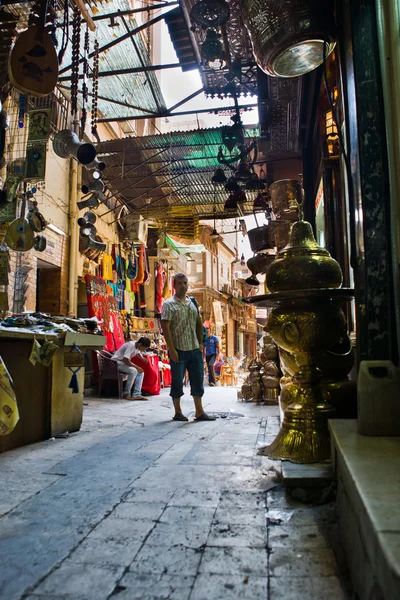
pixel 183 333
pixel 211 350
pixel 135 374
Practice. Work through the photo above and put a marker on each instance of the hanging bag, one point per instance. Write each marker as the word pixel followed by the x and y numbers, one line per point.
pixel 132 263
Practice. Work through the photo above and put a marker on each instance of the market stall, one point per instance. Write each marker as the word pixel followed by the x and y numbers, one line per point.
pixel 49 393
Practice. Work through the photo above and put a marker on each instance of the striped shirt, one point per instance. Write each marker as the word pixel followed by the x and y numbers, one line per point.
pixel 182 315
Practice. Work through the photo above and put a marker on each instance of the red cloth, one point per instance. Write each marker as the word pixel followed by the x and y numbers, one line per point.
pixel 151 381
pixel 159 285
pixel 167 377
pixel 118 333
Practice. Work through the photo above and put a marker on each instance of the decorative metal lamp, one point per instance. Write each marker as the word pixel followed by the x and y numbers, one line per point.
pixel 212 51
pixel 332 135
pixel 210 13
pixel 219 176
pixel 288 37
pixel 254 183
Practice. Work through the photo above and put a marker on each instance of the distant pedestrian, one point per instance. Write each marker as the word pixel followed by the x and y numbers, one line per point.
pixel 211 351
pixel 183 333
pixel 122 357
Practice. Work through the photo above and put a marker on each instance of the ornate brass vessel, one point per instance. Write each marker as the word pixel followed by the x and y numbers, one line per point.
pixel 302 264
pixel 316 354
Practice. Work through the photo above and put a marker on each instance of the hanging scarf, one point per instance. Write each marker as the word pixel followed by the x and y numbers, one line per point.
pixel 140 271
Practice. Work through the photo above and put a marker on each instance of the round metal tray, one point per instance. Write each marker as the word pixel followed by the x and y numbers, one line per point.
pixel 316 295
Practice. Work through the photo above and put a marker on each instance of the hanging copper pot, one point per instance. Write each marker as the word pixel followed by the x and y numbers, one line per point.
pixel 286 197
pixel 288 37
pixel 262 238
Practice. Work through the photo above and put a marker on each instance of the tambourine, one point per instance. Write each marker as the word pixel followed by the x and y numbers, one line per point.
pixel 40 243
pixel 36 220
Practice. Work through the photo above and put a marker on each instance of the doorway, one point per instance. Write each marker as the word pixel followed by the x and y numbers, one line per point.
pixel 48 288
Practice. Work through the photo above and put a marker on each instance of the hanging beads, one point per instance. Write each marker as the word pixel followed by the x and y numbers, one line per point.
pixel 76 42
pixel 95 89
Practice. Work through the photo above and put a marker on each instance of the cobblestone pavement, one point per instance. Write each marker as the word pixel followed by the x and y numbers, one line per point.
pixel 137 506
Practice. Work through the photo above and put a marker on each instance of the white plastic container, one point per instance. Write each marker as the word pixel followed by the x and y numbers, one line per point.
pixel 378 395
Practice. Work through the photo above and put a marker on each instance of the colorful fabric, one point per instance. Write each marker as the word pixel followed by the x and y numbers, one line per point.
pixel 107 265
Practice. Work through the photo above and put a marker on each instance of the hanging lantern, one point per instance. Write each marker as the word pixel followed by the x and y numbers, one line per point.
pixel 253 183
pixel 332 136
pixel 288 37
pixel 261 201
pixel 210 13
pixel 219 176
pixel 243 173
pixel 230 203
pixel 231 185
pixel 212 51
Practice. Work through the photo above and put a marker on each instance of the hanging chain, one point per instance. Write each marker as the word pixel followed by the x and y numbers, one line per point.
pixel 148 34
pixel 95 90
pixel 85 91
pixel 76 42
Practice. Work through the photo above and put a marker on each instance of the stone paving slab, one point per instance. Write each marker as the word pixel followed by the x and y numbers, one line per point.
pixel 234 561
pixel 176 559
pixel 224 587
pixel 248 536
pixel 138 506
pixel 140 586
pixel 93 582
pixel 318 588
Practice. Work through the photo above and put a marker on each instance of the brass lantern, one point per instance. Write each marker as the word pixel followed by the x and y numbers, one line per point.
pixel 288 37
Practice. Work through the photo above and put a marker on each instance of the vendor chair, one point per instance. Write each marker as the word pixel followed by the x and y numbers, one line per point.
pixel 108 371
pixel 227 375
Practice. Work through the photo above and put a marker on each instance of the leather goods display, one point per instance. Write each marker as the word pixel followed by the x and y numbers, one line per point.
pixel 33 64
pixel 19 235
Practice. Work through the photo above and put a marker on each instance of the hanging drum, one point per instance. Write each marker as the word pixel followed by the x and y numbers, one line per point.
pixel 286 197
pixel 288 37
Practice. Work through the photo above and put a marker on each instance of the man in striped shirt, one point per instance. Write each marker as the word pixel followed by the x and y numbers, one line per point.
pixel 183 333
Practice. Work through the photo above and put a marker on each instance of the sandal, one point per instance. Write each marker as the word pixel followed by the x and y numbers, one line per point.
pixel 205 417
pixel 180 417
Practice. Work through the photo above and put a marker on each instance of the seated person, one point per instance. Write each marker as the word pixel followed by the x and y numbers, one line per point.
pixel 217 366
pixel 122 357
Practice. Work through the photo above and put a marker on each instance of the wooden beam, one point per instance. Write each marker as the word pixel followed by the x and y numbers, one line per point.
pixel 80 4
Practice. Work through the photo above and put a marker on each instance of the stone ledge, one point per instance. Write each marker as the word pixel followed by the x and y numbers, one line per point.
pixel 368 478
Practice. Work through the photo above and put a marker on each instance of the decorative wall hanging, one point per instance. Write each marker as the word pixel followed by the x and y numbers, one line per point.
pixel 33 64
pixel 19 235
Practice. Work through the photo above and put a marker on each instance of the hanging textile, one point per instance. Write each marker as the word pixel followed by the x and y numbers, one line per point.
pixel 159 285
pixel 118 333
pixel 107 265
pixel 142 301
pixel 140 271
pixel 132 264
pixel 147 274
pixel 166 293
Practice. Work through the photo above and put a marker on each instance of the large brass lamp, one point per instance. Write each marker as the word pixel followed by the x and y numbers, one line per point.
pixel 288 37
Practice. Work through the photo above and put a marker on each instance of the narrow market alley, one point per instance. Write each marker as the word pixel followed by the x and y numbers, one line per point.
pixel 136 506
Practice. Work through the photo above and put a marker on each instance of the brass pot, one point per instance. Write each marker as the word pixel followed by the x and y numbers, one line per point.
pixel 261 238
pixel 302 264
pixel 286 196
pixel 259 263
pixel 288 37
